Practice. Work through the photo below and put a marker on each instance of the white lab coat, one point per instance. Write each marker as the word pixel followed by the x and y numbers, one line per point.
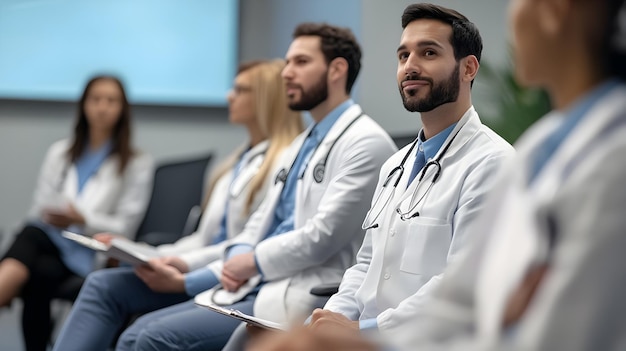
pixel 328 218
pixel 580 196
pixel 109 202
pixel 195 249
pixel 580 304
pixel 400 262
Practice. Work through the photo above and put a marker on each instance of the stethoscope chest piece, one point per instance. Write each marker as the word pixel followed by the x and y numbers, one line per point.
pixel 281 176
pixel 318 172
pixel 320 169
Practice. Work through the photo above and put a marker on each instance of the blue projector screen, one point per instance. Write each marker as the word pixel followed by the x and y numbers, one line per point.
pixel 167 52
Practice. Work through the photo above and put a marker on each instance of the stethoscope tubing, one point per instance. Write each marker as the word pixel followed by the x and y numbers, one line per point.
pixel 400 168
pixel 320 168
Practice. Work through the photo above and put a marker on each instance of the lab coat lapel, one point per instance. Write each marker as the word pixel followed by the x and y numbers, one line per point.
pixel 340 125
pixel 70 185
pixel 286 161
pixel 507 256
pixel 250 164
pixel 581 138
pixel 467 126
pixel 515 243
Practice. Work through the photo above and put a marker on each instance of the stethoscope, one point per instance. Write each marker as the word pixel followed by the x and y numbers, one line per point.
pixel 320 168
pixel 238 184
pixel 369 222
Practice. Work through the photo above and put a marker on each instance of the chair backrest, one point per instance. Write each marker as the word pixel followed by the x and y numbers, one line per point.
pixel 177 188
pixel 403 140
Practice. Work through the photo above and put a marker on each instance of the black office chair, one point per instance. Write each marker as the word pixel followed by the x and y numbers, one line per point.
pixel 403 140
pixel 173 211
pixel 175 200
pixel 174 207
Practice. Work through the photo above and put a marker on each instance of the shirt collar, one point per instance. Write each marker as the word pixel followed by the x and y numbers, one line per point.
pixel 579 109
pixel 432 145
pixel 568 120
pixel 322 127
pixel 103 151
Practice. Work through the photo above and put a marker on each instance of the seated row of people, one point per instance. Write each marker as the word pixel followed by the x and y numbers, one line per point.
pixel 468 248
pixel 541 265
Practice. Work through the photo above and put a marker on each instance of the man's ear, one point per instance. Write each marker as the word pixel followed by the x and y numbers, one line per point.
pixel 469 68
pixel 337 69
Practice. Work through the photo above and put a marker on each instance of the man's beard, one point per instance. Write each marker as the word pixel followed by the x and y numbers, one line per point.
pixel 315 96
pixel 440 93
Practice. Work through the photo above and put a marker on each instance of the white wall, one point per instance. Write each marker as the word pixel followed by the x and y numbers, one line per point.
pixel 28 128
pixel 381 34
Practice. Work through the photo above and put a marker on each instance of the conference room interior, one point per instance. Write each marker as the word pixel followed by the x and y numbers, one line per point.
pixel 181 129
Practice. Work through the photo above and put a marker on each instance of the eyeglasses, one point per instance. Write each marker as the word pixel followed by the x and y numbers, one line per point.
pixel 241 89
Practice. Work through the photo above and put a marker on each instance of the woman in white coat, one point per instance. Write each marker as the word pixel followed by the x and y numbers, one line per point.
pixel 257 102
pixel 92 182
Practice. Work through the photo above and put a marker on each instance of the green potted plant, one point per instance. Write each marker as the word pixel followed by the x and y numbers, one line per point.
pixel 510 108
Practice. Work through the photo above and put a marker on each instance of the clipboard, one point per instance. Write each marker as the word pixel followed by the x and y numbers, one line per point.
pixel 127 251
pixel 204 300
pixel 86 241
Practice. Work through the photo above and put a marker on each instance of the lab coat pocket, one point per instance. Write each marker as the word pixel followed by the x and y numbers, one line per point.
pixel 426 249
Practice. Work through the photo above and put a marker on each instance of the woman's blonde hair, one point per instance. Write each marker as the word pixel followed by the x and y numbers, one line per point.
pixel 276 121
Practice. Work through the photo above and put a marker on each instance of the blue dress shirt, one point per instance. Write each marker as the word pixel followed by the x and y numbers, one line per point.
pixel 284 213
pixel 571 119
pixel 285 209
pixel 427 149
pixel 90 161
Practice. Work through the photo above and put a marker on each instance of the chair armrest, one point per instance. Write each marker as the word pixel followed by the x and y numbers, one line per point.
pixel 327 289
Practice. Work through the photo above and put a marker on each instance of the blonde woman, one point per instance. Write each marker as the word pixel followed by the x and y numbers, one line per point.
pixel 257 102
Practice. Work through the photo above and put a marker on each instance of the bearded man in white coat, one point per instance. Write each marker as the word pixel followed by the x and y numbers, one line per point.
pixel 419 219
pixel 307 230
pixel 547 270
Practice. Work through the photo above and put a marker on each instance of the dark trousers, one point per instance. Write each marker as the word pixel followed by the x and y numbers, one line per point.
pixel 47 271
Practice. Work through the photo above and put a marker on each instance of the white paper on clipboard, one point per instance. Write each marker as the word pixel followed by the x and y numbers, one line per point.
pixel 86 241
pixel 124 250
pixel 205 300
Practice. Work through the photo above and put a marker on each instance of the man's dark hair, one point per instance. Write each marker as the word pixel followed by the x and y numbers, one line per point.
pixel 335 42
pixel 465 37
pixel 614 39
